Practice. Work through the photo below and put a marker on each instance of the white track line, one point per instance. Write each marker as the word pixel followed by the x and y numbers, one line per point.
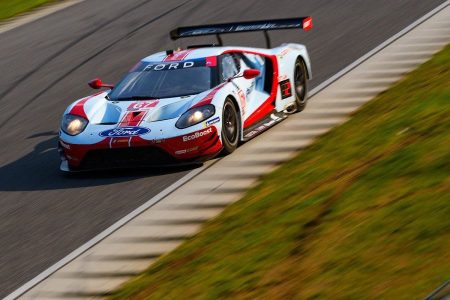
pixel 45 274
pixel 36 14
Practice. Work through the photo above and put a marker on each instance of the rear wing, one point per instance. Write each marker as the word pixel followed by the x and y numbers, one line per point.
pixel 304 23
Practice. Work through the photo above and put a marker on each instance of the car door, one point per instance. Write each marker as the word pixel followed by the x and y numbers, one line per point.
pixel 234 64
pixel 255 92
pixel 230 67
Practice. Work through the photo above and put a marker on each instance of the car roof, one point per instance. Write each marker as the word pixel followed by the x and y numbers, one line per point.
pixel 185 54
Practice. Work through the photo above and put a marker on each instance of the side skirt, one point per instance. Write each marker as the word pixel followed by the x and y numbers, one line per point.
pixel 259 127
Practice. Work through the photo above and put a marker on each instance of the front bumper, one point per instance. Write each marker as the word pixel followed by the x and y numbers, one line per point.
pixel 134 152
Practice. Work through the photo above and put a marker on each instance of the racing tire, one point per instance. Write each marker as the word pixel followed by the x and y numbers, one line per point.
pixel 300 84
pixel 230 127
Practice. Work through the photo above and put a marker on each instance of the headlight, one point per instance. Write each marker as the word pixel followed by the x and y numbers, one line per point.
pixel 73 125
pixel 195 116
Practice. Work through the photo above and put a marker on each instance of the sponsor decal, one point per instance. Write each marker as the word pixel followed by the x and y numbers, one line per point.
pixel 196 135
pixel 170 65
pixel 286 89
pixel 179 152
pixel 282 77
pixel 118 141
pixel 184 151
pixel 142 105
pixel 250 88
pixel 262 127
pixel 265 26
pixel 121 140
pixel 273 120
pixel 251 134
pixel 284 53
pixel 241 95
pixel 124 131
pixel 212 121
pixel 174 65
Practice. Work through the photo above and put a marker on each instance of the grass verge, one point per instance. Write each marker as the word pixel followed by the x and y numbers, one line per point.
pixel 363 213
pixel 11 8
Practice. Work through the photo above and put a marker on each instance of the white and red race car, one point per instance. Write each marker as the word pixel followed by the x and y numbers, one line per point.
pixel 187 106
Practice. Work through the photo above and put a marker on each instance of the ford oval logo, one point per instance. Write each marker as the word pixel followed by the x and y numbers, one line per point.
pixel 125 131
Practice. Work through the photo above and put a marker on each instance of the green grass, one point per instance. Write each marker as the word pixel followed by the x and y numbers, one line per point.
pixel 11 8
pixel 363 213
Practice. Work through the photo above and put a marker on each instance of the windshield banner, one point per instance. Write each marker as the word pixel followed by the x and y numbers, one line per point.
pixel 168 66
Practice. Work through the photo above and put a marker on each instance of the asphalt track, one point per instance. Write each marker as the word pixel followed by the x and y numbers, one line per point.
pixel 45 65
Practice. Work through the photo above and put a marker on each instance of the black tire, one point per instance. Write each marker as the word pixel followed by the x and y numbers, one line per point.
pixel 230 127
pixel 300 84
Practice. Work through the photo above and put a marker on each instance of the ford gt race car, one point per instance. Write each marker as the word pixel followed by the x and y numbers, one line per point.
pixel 188 105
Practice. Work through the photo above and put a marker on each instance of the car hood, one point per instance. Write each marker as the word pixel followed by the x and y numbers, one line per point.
pixel 101 111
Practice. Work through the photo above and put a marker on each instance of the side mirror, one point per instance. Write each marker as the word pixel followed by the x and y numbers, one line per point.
pixel 98 84
pixel 251 73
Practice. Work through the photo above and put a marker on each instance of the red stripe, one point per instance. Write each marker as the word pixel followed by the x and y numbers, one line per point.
pixel 307 23
pixel 177 55
pixel 78 108
pixel 133 118
pixel 208 98
pixel 211 61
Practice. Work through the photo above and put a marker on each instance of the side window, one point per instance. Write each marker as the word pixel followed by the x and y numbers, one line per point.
pixel 258 62
pixel 229 66
pixel 254 61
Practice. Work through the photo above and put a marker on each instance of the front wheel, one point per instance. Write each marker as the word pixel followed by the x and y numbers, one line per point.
pixel 300 84
pixel 230 127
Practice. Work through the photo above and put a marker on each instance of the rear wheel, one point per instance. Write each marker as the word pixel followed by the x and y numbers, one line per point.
pixel 230 127
pixel 300 84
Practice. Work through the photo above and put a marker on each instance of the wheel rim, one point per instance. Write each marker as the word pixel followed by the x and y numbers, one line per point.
pixel 299 82
pixel 230 123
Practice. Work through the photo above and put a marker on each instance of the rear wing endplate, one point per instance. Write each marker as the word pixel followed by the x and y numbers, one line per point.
pixel 304 23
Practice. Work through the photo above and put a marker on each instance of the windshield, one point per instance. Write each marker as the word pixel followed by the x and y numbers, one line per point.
pixel 158 80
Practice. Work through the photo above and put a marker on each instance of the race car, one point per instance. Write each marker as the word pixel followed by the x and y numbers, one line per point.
pixel 187 106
